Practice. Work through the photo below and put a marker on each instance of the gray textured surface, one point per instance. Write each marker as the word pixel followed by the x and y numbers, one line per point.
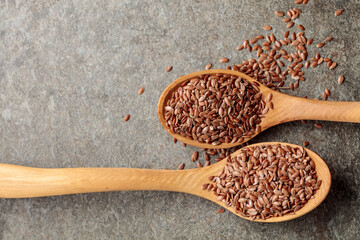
pixel 70 72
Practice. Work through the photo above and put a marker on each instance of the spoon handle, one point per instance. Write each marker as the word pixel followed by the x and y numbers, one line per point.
pixel 24 182
pixel 295 108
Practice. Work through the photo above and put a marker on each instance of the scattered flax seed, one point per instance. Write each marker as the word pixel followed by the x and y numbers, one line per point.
pixel 320 45
pixel 218 159
pixel 297 10
pixel 271 105
pixel 224 60
pixel 269 97
pixel 141 91
pixel 206 157
pixel 306 143
pixel 207 163
pixel 169 68
pixel 329 39
pixel 290 13
pixel 268 43
pixel 279 13
pixel 240 47
pixel 195 156
pixel 314 64
pixel 286 20
pixel 318 125
pixel 327 91
pixel 340 79
pixel 329 63
pixel 291 86
pixel 199 165
pixel 184 144
pixel 268 28
pixel 212 152
pixel 301 27
pixel 290 25
pixel 298 1
pixel 295 43
pixel 305 1
pixel 339 12
pixel 246 43
pixel 272 38
pixel 175 140
pixel 333 65
pixel 127 117
pixel 309 42
pixel 254 40
pixel 296 85
pixel 324 96
pixel 221 210
pixel 303 122
pixel 181 166
pixel 207 67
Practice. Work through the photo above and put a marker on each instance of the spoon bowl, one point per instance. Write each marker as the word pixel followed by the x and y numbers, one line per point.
pixel 25 182
pixel 286 108
pixel 323 174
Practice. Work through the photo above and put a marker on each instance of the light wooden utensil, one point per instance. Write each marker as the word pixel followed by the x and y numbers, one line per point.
pixel 25 182
pixel 286 108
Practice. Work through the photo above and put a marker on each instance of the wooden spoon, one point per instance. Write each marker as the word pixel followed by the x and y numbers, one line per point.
pixel 286 108
pixel 25 182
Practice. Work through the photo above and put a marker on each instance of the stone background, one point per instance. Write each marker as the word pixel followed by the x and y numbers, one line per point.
pixel 70 72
